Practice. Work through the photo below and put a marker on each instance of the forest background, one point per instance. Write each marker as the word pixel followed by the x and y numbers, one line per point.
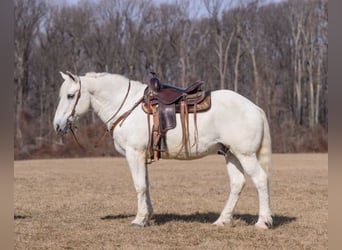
pixel 274 53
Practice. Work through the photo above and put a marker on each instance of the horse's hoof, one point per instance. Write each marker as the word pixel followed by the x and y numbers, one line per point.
pixel 221 223
pixel 262 226
pixel 139 224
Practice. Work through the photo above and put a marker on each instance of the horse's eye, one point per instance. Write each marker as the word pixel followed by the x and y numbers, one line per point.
pixel 71 96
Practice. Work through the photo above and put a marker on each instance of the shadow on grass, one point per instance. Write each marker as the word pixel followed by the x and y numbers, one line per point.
pixel 278 220
pixel 21 217
pixel 210 217
pixel 115 217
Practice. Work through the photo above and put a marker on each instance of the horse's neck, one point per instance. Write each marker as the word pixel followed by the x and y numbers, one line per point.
pixel 107 94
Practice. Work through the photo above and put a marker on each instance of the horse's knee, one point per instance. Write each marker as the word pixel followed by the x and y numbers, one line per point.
pixel 255 171
pixel 140 189
pixel 237 185
pixel 237 178
pixel 261 180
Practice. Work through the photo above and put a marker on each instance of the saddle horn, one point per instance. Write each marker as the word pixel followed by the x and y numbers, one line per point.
pixel 155 84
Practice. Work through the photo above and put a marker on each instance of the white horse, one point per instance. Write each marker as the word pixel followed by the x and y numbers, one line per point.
pixel 233 124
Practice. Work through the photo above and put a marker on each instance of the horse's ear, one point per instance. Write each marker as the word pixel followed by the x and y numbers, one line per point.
pixel 65 77
pixel 73 77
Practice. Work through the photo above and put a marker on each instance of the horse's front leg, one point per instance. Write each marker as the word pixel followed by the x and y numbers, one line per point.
pixel 137 165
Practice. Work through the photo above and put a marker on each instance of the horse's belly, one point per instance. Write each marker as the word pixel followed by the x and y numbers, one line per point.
pixel 190 153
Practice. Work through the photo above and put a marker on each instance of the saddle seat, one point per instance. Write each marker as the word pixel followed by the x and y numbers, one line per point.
pixel 195 98
pixel 168 94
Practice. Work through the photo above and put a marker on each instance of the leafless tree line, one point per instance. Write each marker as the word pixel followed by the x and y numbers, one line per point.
pixel 275 54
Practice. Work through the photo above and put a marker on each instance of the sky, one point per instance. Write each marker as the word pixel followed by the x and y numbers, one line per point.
pixel 198 10
pixel 156 1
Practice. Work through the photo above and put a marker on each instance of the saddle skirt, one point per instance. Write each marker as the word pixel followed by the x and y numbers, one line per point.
pixel 197 102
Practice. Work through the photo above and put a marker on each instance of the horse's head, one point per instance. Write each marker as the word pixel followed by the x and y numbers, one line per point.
pixel 73 102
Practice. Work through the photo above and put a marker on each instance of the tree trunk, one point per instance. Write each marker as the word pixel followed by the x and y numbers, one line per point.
pixel 223 57
pixel 257 86
pixel 318 88
pixel 236 66
pixel 19 110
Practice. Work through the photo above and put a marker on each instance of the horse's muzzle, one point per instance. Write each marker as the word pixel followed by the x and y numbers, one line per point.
pixel 61 130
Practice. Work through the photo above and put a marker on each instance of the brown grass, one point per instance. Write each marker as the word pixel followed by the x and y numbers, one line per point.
pixel 89 203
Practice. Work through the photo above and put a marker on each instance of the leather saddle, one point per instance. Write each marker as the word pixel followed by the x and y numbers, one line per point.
pixel 169 101
pixel 169 94
pixel 164 101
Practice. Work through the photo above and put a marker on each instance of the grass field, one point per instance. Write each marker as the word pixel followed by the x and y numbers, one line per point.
pixel 89 204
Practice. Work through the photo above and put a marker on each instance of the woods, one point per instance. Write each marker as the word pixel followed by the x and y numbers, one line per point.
pixel 273 53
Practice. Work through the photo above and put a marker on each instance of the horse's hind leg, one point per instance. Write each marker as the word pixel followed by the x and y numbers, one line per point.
pixel 136 162
pixel 237 182
pixel 260 179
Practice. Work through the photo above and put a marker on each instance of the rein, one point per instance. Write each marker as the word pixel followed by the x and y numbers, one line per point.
pixel 75 138
pixel 121 117
pixel 124 100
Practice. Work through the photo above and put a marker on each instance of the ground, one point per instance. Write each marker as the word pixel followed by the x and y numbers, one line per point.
pixel 88 203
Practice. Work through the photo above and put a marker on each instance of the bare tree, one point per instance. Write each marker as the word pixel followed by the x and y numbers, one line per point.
pixel 28 15
pixel 313 45
pixel 238 48
pixel 223 36
pixel 250 37
pixel 296 18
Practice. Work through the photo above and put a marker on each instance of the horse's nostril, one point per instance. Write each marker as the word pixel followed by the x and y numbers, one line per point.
pixel 58 128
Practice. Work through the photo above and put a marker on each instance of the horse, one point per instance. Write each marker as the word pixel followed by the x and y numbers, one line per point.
pixel 233 124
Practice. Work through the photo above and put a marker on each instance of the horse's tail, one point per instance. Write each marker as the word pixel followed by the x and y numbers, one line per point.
pixel 264 153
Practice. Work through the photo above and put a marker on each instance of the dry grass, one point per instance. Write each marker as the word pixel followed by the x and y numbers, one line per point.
pixel 89 203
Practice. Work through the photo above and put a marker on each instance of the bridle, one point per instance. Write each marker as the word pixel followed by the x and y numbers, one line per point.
pixel 118 120
pixel 72 114
pixel 71 117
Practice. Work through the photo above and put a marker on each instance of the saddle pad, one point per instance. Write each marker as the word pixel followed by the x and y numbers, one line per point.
pixel 200 107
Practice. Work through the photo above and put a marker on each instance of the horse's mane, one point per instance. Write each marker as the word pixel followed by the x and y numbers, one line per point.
pixel 95 74
pixel 102 74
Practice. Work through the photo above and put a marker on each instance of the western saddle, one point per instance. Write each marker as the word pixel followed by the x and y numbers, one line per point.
pixel 163 102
